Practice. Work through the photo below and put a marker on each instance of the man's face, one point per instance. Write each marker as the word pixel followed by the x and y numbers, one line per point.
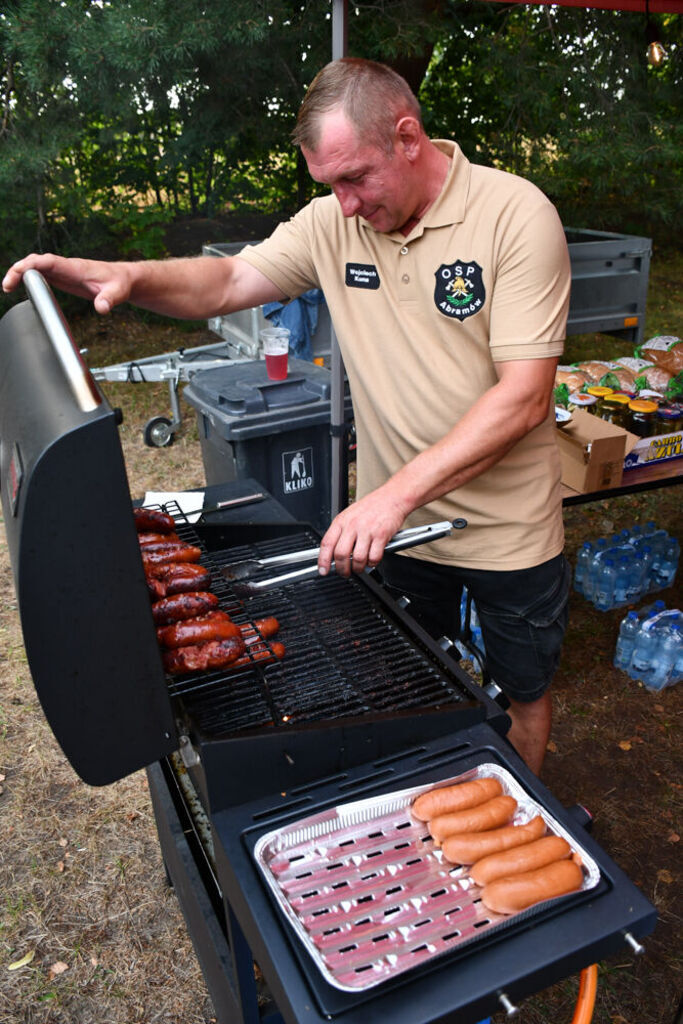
pixel 367 181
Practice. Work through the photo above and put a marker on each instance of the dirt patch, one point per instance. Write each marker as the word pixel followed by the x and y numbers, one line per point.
pixel 83 886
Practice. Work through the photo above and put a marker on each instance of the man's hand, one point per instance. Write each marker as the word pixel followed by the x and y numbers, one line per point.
pixel 357 537
pixel 107 284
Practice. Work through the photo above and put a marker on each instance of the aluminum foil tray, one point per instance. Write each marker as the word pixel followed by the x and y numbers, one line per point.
pixel 370 895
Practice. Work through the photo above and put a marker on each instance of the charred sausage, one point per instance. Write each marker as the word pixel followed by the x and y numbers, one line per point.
pixel 154 520
pixel 527 857
pixel 145 539
pixel 179 577
pixel 469 847
pixel 455 798
pixel 486 816
pixel 174 553
pixel 183 606
pixel 275 651
pixel 517 892
pixel 213 626
pixel 265 627
pixel 202 657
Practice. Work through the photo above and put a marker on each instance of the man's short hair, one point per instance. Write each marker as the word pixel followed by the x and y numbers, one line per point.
pixel 372 96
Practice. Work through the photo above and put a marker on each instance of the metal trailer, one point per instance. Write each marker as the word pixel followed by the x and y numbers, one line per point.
pixel 610 274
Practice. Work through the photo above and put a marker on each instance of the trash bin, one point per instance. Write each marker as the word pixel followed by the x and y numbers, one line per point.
pixel 277 432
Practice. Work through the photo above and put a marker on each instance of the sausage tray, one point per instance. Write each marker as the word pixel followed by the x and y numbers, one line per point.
pixel 371 896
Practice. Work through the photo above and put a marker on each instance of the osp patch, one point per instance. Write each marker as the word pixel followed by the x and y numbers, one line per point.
pixel 459 291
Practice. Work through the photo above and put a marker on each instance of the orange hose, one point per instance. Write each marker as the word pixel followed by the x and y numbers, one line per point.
pixel 588 986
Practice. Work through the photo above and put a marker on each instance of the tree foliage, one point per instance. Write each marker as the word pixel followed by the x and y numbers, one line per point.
pixel 120 115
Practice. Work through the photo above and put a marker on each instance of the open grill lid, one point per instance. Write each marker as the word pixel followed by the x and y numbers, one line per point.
pixel 83 601
pixel 85 609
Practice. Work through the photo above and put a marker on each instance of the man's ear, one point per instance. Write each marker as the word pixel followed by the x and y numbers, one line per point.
pixel 408 134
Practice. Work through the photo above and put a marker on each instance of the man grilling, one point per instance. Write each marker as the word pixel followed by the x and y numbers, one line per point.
pixel 448 285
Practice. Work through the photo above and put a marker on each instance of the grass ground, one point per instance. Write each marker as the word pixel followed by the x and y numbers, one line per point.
pixel 89 932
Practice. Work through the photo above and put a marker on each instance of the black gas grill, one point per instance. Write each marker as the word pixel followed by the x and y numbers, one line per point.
pixel 363 709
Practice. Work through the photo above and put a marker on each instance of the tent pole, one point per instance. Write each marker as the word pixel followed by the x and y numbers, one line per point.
pixel 338 434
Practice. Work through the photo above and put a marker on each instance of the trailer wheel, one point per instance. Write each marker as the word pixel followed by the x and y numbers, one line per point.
pixel 158 433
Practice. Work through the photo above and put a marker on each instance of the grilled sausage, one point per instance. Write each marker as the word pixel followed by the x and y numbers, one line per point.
pixel 183 606
pixel 264 627
pixel 145 539
pixel 170 543
pixel 213 626
pixel 486 816
pixel 517 892
pixel 469 847
pixel 179 577
pixel 154 520
pixel 528 857
pixel 202 657
pixel 174 553
pixel 455 798
pixel 275 651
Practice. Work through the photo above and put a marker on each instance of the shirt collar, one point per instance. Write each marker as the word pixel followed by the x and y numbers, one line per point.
pixel 449 205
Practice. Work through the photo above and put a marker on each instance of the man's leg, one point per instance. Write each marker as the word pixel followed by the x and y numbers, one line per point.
pixel 530 730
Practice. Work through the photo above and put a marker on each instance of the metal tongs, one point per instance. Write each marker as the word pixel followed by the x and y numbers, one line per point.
pixel 408 538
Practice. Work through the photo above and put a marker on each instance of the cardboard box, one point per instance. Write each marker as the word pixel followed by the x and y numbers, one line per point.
pixel 592 452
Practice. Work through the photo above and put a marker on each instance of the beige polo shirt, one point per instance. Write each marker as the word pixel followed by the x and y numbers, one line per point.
pixel 421 320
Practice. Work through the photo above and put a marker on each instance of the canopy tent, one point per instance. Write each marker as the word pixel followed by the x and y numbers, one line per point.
pixel 339 49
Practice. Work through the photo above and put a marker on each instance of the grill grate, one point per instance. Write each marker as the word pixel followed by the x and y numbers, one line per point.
pixel 346 655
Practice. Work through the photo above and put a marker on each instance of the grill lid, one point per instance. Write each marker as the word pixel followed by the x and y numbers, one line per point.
pixel 83 602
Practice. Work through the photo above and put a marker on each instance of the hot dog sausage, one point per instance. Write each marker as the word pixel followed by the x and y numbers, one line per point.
pixel 455 798
pixel 486 816
pixel 201 657
pixel 469 847
pixel 183 606
pixel 519 859
pixel 213 626
pixel 517 892
pixel 153 520
pixel 174 553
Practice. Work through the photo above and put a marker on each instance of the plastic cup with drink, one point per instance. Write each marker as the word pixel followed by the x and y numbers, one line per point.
pixel 276 350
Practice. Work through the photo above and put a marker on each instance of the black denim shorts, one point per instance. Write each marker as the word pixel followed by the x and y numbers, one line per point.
pixel 523 614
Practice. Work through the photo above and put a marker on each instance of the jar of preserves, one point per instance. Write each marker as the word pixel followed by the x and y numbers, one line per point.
pixel 615 409
pixel 599 393
pixel 669 419
pixel 643 417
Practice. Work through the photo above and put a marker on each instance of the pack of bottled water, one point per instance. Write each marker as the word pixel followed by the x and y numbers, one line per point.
pixel 612 572
pixel 650 645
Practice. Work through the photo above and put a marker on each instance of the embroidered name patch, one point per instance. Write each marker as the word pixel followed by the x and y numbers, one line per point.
pixel 459 290
pixel 361 275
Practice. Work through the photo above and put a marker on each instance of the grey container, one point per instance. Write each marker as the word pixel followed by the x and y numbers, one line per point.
pixel 277 432
pixel 610 274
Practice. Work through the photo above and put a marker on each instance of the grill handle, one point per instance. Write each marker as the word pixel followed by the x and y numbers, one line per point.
pixel 74 369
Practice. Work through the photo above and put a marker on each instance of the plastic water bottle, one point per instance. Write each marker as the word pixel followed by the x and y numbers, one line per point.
pixel 665 658
pixel 604 585
pixel 677 673
pixel 591 576
pixel 622 581
pixel 628 631
pixel 635 578
pixel 647 556
pixel 664 572
pixel 644 654
pixel 583 561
